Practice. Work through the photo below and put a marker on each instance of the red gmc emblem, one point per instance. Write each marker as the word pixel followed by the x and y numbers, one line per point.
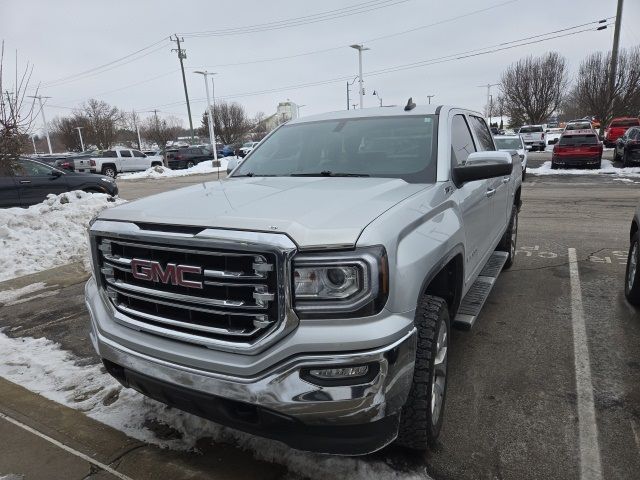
pixel 172 273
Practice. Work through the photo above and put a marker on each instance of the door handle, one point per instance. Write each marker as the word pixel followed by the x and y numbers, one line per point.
pixel 505 180
pixel 490 193
pixel 25 181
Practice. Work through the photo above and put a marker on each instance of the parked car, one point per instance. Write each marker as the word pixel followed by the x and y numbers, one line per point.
pixel 627 147
pixel 64 162
pixel 113 162
pixel 29 182
pixel 617 127
pixel 246 148
pixel 553 135
pixel 226 151
pixel 533 136
pixel 309 297
pixel 578 125
pixel 577 148
pixel 632 275
pixel 188 157
pixel 509 143
pixel 233 162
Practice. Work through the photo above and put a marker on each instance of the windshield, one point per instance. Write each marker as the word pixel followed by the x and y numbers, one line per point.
pixel 578 140
pixel 578 126
pixel 389 147
pixel 530 129
pixel 508 143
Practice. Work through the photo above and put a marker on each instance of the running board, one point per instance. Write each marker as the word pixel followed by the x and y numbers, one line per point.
pixel 479 292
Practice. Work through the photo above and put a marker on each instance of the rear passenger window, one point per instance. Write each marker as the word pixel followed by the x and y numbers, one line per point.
pixel 109 154
pixel 483 134
pixel 461 140
pixel 136 153
pixel 125 153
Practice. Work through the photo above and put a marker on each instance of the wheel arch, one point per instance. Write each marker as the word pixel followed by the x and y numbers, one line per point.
pixel 446 279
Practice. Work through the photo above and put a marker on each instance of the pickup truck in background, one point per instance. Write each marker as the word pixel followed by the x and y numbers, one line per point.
pixel 113 162
pixel 533 137
pixel 309 297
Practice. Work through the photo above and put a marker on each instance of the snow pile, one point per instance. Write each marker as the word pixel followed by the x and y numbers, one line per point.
pixel 48 234
pixel 165 172
pixel 607 168
pixel 42 367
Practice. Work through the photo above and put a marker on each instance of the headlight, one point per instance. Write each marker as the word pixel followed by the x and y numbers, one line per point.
pixel 340 284
pixel 107 179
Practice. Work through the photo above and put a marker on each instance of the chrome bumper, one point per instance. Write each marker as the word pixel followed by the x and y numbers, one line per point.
pixel 282 389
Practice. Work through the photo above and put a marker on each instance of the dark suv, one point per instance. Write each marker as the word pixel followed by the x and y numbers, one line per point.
pixel 187 157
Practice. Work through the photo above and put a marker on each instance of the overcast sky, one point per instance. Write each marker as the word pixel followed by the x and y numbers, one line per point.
pixel 64 38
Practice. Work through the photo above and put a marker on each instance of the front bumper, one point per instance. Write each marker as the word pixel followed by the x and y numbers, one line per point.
pixel 280 402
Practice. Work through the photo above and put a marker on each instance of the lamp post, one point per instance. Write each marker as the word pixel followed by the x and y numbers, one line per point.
pixel 360 49
pixel 430 97
pixel 299 107
pixel 82 143
pixel 348 90
pixel 378 95
pixel 212 137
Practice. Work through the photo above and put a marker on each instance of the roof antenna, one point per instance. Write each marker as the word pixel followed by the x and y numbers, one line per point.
pixel 410 105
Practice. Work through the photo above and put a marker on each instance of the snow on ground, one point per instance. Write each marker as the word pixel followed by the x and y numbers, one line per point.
pixel 48 234
pixel 42 367
pixel 606 169
pixel 15 295
pixel 165 172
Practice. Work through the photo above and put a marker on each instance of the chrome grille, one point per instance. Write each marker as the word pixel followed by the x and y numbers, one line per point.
pixel 239 300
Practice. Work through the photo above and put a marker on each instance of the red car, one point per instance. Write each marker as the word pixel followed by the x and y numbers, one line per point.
pixel 577 148
pixel 617 127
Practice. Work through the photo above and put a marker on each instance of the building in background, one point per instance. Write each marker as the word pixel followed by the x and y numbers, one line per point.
pixel 284 112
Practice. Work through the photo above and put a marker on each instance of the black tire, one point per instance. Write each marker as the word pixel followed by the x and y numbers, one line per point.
pixel 156 164
pixel 553 166
pixel 509 241
pixel 625 160
pixel 632 274
pixel 616 157
pixel 190 164
pixel 524 173
pixel 109 171
pixel 419 425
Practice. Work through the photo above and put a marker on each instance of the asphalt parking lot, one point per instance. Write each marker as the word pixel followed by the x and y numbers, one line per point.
pixel 515 405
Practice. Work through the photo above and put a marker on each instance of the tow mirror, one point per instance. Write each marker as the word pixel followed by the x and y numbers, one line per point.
pixel 483 165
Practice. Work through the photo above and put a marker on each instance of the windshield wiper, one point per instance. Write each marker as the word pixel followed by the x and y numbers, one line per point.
pixel 251 174
pixel 329 173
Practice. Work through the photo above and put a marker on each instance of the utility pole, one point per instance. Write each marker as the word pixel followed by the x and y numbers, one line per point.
pixel 33 140
pixel 378 95
pixel 135 124
pixel 182 54
pixel 80 133
pixel 430 97
pixel 44 120
pixel 614 52
pixel 212 135
pixel 488 86
pixel 360 49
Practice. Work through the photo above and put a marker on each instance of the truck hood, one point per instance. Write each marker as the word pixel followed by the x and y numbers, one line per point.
pixel 313 212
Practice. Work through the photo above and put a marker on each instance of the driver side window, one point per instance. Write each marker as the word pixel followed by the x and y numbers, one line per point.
pixel 31 169
pixel 461 141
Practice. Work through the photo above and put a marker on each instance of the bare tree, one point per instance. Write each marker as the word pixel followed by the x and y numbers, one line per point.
pixel 259 130
pixel 16 115
pixel 103 121
pixel 231 122
pixel 533 87
pixel 591 93
pixel 63 129
pixel 161 130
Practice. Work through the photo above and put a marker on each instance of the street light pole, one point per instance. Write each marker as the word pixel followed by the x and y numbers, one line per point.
pixel 360 49
pixel 82 143
pixel 33 140
pixel 348 89
pixel 299 107
pixel 430 97
pixel 44 119
pixel 212 137
pixel 488 86
pixel 614 52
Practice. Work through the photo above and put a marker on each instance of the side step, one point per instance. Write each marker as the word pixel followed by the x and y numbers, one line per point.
pixel 479 292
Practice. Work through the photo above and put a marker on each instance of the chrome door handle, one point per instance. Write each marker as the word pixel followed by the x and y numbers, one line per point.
pixel 490 192
pixel 505 180
pixel 25 181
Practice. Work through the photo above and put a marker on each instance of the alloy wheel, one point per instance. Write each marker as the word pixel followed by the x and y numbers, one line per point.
pixel 439 380
pixel 633 266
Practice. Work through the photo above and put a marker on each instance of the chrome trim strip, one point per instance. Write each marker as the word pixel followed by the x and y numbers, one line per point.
pixel 234 275
pixel 165 248
pixel 114 259
pixel 189 326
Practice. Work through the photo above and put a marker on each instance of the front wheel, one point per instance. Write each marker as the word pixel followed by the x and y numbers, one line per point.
pixel 422 414
pixel 632 276
pixel 524 173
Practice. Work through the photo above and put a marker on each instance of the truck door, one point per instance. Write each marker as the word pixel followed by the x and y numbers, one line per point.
pixel 500 205
pixel 141 161
pixel 127 161
pixel 475 205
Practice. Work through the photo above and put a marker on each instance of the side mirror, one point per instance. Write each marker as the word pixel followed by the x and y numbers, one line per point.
pixel 231 164
pixel 483 165
pixel 55 173
pixel 554 141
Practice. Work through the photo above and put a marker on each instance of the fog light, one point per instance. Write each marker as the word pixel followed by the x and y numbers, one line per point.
pixel 339 373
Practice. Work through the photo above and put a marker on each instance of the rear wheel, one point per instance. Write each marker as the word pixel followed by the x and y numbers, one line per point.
pixel 553 166
pixel 422 415
pixel 190 164
pixel 109 171
pixel 509 240
pixel 632 277
pixel 626 161
pixel 156 164
pixel 616 157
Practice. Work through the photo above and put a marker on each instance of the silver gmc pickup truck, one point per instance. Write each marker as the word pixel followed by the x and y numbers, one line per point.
pixel 309 297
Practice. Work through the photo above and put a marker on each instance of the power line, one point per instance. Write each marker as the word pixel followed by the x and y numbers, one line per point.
pixel 340 47
pixel 100 67
pixel 297 21
pixel 448 58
